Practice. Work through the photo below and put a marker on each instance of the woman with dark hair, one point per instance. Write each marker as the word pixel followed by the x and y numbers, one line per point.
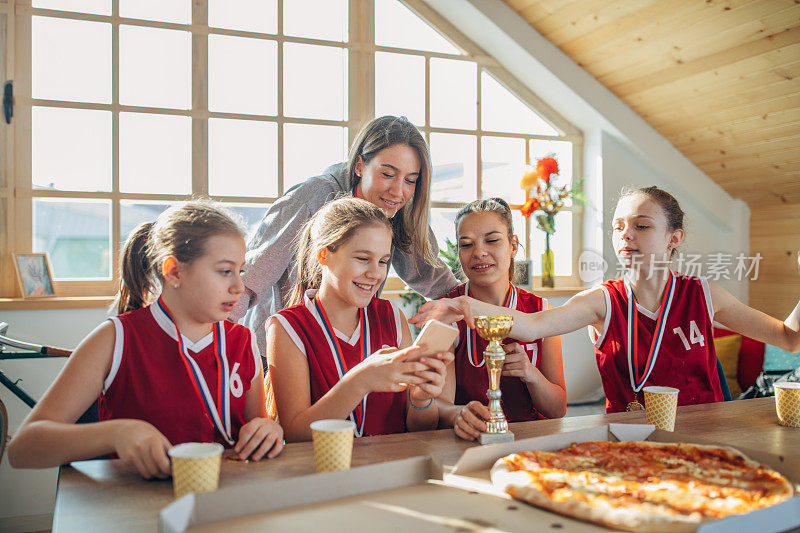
pixel 389 166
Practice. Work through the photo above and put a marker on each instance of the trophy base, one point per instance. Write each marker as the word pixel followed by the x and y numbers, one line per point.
pixel 496 438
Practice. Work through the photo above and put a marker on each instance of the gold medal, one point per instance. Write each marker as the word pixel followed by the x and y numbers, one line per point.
pixel 635 406
pixel 235 459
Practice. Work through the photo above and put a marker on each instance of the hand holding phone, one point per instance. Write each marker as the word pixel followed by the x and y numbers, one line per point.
pixel 436 337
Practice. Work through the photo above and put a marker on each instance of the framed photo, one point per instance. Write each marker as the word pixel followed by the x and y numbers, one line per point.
pixel 34 275
pixel 524 273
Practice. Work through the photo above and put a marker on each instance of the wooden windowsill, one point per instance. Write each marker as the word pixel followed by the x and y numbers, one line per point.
pixel 56 302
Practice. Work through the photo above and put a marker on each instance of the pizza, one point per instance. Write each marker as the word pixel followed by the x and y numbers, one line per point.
pixel 641 486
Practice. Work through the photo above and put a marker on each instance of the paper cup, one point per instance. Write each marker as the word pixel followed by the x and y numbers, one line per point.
pixel 333 444
pixel 787 403
pixel 195 467
pixel 660 404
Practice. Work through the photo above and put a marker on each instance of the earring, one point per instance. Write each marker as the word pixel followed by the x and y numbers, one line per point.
pixel 176 285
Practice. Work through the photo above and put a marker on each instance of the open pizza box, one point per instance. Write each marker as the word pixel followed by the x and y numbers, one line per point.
pixel 416 495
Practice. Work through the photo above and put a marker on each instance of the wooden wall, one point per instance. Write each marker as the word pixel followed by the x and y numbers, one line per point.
pixel 775 233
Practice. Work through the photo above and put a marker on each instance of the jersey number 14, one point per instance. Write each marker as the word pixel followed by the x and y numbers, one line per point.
pixel 695 337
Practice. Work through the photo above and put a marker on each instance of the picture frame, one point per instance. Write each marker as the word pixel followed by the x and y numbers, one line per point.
pixel 524 273
pixel 34 275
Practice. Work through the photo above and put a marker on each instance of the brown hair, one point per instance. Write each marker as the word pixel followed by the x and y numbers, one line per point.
pixel 667 202
pixel 499 207
pixel 180 231
pixel 330 227
pixel 410 224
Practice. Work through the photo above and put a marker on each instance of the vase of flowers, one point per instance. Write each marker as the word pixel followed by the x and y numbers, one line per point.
pixel 543 199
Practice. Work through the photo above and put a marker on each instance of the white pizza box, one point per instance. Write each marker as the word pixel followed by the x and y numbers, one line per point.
pixel 403 496
pixel 472 472
pixel 413 495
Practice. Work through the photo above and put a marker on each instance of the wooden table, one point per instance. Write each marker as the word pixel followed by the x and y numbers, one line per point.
pixel 102 495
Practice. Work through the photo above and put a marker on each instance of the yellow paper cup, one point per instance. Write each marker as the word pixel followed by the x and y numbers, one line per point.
pixel 660 404
pixel 333 444
pixel 195 467
pixel 787 403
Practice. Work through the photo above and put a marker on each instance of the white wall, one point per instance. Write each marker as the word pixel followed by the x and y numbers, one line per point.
pixel 31 493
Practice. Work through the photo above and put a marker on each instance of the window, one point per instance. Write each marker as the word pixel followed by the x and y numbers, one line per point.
pixel 124 107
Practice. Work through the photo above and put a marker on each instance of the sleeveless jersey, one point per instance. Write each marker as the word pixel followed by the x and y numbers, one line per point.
pixel 686 359
pixel 472 381
pixel 385 412
pixel 149 382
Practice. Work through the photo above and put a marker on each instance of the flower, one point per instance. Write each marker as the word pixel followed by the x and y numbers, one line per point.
pixel 546 167
pixel 531 205
pixel 528 179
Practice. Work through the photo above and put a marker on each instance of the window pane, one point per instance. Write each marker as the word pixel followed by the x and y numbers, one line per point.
pixel 562 151
pixel 309 149
pixel 134 212
pixel 155 67
pixel 400 86
pixel 315 81
pixel 519 230
pixel 454 93
pixel 560 243
pixel 327 20
pixel 155 153
pixel 76 234
pixel 398 26
pixel 502 167
pixel 71 149
pixel 242 157
pixel 242 75
pixel 70 60
pixel 179 11
pixel 246 15
pixel 97 7
pixel 442 219
pixel 454 167
pixel 251 215
pixel 502 111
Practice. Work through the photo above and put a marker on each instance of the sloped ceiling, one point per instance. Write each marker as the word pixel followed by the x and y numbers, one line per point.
pixel 717 78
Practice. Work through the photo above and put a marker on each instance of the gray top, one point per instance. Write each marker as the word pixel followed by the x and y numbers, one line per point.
pixel 270 261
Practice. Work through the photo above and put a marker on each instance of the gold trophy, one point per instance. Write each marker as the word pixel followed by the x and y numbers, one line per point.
pixel 494 329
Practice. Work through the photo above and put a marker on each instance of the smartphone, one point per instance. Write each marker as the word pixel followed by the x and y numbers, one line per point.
pixel 437 337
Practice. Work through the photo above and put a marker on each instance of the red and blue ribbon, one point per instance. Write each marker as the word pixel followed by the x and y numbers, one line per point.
pixel 219 411
pixel 358 416
pixel 638 380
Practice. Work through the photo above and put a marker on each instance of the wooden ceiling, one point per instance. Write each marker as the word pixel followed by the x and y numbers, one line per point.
pixel 718 78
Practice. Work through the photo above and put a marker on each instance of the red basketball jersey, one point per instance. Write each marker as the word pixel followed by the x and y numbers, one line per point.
pixel 472 379
pixel 148 380
pixel 385 412
pixel 686 359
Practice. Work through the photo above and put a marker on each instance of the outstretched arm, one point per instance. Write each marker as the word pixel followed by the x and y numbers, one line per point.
pixel 584 309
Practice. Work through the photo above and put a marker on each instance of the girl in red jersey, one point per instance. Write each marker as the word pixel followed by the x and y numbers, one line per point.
pixel 533 376
pixel 170 368
pixel 334 352
pixel 652 327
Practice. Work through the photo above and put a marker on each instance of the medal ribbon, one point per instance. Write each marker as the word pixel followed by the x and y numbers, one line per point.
pixel 219 411
pixel 472 345
pixel 637 381
pixel 358 415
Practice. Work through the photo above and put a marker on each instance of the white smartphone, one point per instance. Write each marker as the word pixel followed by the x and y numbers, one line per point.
pixel 437 337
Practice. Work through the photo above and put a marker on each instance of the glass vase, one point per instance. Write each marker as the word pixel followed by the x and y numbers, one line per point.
pixel 548 267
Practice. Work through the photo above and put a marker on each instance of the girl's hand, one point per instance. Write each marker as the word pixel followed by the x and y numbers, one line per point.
pixel 517 363
pixel 388 370
pixel 471 420
pixel 142 448
pixel 434 377
pixel 447 310
pixel 257 437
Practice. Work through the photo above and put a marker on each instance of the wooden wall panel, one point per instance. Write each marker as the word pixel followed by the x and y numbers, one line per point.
pixel 775 233
pixel 720 79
